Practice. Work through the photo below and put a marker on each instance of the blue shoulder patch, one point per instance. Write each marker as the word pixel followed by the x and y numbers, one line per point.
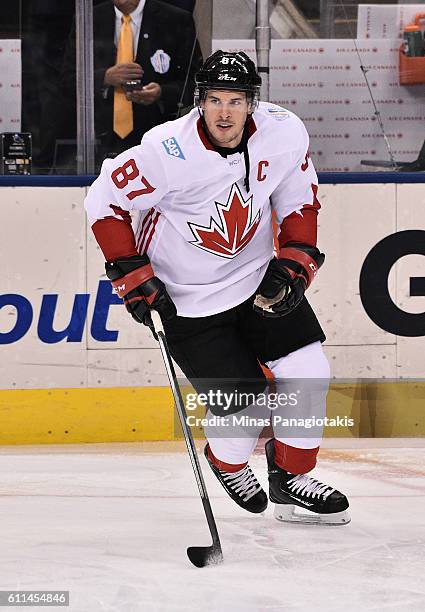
pixel 172 147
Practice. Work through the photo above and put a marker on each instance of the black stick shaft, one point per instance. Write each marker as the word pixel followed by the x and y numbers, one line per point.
pixel 186 429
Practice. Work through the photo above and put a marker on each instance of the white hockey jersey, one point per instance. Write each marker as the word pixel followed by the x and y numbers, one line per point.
pixel 208 239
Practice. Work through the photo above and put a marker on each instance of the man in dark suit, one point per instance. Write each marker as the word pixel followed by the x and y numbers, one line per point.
pixel 166 57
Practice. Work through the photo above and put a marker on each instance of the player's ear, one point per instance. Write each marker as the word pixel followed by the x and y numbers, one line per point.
pixel 198 99
pixel 249 103
pixel 252 100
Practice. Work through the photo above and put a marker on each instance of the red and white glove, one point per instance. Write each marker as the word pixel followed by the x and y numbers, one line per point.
pixel 133 280
pixel 287 278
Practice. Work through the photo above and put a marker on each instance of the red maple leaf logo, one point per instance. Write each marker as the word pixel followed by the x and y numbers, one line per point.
pixel 235 228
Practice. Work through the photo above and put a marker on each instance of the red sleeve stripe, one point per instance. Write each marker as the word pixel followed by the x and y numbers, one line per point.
pixel 115 238
pixel 298 227
pixel 124 214
pixel 145 228
pixel 145 240
pixel 155 221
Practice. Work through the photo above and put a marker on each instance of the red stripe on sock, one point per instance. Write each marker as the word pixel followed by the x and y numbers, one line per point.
pixel 222 465
pixel 295 460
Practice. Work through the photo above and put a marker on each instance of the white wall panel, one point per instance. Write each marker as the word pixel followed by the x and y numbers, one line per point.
pixel 352 220
pixel 42 250
pixel 366 361
pixel 126 368
pixel 46 249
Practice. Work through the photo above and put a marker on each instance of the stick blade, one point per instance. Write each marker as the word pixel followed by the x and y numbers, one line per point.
pixel 201 556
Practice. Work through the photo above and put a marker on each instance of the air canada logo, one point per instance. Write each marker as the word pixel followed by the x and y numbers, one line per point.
pixel 231 232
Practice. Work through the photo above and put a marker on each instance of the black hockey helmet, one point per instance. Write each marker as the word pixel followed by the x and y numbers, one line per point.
pixel 228 70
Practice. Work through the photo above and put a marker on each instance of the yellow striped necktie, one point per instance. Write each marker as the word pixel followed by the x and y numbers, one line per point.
pixel 123 108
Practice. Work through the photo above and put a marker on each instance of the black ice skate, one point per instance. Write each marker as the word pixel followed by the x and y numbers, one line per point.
pixel 321 503
pixel 242 486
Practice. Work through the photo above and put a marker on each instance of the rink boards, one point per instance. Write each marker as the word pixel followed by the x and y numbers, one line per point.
pixel 75 365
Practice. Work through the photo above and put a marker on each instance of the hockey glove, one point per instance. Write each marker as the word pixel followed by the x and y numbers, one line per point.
pixel 133 280
pixel 287 278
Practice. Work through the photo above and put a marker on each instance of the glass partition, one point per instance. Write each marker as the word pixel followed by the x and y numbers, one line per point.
pixel 48 108
pixel 46 94
pixel 353 71
pixel 37 114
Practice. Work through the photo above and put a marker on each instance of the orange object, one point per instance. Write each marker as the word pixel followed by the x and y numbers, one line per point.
pixel 420 20
pixel 412 27
pixel 412 69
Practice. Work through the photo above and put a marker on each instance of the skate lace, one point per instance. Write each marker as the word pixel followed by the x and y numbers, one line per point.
pixel 304 485
pixel 244 483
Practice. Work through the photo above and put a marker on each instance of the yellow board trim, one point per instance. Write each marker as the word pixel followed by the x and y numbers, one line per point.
pixel 60 416
pixel 127 414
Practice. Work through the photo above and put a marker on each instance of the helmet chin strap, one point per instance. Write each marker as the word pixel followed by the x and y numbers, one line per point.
pixel 243 145
pixel 246 155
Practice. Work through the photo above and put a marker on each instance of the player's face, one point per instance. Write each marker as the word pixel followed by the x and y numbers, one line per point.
pixel 126 6
pixel 225 113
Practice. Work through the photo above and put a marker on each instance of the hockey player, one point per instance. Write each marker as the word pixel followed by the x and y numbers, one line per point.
pixel 198 248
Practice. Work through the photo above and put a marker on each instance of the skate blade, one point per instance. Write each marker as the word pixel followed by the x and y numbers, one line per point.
pixel 289 513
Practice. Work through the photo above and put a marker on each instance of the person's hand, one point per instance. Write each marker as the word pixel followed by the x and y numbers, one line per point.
pixel 118 75
pixel 149 94
pixel 134 281
pixel 286 279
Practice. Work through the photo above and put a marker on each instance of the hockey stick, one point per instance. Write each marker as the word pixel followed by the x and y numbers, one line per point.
pixel 199 555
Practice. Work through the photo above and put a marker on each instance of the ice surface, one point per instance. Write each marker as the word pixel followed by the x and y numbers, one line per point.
pixel 111 523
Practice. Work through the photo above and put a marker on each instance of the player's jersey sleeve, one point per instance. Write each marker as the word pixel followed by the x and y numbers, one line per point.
pixel 135 179
pixel 296 188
